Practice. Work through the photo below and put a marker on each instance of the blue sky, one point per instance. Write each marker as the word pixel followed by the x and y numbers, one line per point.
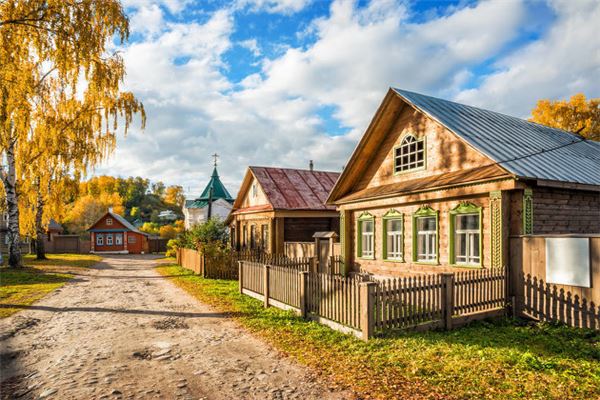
pixel 280 82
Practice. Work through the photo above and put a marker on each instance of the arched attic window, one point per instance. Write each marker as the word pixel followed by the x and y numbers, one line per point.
pixel 410 155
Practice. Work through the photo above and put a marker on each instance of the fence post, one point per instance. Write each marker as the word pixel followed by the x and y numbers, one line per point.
pixel 241 275
pixel 448 298
pixel 203 262
pixel 266 285
pixel 303 275
pixel 313 265
pixel 367 309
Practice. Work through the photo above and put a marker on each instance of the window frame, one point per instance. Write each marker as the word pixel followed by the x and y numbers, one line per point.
pixel 392 215
pixel 421 168
pixel 109 236
pixel 118 239
pixel 264 236
pixel 464 208
pixel 425 211
pixel 99 239
pixel 109 221
pixel 131 239
pixel 253 236
pixel 364 217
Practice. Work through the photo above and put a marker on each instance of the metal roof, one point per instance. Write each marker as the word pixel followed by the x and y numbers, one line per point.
pixel 296 189
pixel 218 192
pixel 523 148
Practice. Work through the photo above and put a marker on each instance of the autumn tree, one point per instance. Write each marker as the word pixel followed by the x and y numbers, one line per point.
pixel 87 209
pixel 60 97
pixel 174 195
pixel 576 115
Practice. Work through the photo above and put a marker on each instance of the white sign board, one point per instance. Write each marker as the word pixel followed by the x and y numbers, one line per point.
pixel 568 261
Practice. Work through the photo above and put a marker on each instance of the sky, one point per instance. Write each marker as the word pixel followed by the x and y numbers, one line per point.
pixel 282 82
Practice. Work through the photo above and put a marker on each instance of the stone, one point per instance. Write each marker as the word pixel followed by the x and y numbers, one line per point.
pixel 47 392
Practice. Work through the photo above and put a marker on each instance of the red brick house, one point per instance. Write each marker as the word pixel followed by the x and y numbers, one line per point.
pixel 114 234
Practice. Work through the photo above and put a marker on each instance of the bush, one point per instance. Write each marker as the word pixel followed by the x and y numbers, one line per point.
pixel 172 246
pixel 213 232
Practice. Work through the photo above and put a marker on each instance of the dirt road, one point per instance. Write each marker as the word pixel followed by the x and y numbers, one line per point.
pixel 120 330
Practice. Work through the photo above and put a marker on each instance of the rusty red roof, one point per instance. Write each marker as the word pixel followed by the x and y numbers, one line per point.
pixel 296 189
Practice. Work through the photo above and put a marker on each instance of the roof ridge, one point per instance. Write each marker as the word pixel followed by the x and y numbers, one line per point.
pixel 400 91
pixel 296 169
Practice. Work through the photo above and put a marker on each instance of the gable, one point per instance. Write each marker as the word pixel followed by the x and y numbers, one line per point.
pixel 102 223
pixel 444 152
pixel 372 163
pixel 251 193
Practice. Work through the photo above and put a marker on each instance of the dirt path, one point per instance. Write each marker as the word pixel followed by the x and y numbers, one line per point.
pixel 122 331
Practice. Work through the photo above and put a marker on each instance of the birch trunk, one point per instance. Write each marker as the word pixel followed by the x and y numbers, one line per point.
pixel 12 207
pixel 40 251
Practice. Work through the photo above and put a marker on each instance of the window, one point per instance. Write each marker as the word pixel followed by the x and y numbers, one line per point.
pixel 108 221
pixel 254 190
pixel 245 236
pixel 264 233
pixel 131 239
pixel 109 239
pixel 410 154
pixel 393 236
pixel 119 239
pixel 252 236
pixel 99 239
pixel 425 235
pixel 366 237
pixel 465 234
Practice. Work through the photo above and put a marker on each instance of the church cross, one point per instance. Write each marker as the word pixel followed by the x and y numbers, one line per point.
pixel 215 156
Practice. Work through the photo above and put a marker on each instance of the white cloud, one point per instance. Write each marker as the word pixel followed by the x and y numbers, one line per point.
pixel 274 6
pixel 252 46
pixel 269 118
pixel 565 61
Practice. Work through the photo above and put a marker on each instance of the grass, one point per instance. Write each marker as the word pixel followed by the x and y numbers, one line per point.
pixel 21 287
pixel 504 359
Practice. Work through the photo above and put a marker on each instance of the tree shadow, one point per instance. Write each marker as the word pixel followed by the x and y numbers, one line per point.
pixel 164 313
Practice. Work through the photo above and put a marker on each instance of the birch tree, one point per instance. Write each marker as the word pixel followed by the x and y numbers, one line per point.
pixel 60 99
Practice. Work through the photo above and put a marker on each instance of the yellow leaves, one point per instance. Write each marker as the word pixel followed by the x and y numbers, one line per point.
pixel 576 115
pixel 89 208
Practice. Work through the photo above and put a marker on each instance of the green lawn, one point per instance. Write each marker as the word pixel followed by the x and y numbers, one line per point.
pixel 23 286
pixel 486 360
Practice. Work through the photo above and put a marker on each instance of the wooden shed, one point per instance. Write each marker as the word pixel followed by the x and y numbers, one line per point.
pixel 275 205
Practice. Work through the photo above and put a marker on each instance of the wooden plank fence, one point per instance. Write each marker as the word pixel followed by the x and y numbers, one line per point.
pixel 409 302
pixel 546 302
pixel 366 307
pixel 479 290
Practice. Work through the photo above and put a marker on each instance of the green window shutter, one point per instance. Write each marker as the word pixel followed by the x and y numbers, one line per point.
pixel 463 208
pixel 425 211
pixel 391 215
pixel 365 216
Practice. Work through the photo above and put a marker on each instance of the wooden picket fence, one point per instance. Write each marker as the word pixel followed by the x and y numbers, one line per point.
pixel 479 290
pixel 334 297
pixel 409 302
pixel 546 302
pixel 225 265
pixel 366 307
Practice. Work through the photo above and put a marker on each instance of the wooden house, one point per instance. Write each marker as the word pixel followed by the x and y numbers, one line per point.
pixel 434 185
pixel 278 205
pixel 114 234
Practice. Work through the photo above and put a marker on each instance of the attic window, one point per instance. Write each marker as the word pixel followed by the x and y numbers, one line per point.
pixel 108 221
pixel 410 155
pixel 254 190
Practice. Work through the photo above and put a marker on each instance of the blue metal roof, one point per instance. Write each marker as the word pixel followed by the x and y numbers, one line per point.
pixel 523 148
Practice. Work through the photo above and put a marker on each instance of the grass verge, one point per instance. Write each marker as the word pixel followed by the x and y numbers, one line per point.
pixel 505 359
pixel 23 286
